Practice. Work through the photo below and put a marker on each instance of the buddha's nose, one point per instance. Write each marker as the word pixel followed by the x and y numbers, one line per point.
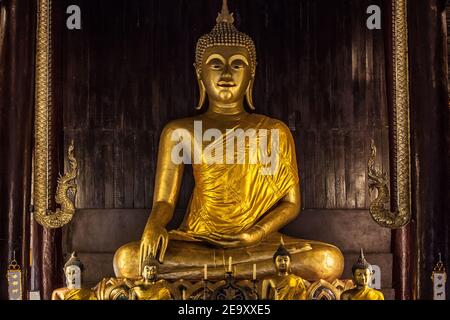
pixel 226 75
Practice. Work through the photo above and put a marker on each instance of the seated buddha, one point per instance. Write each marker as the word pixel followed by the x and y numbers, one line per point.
pixel 244 192
pixel 283 285
pixel 148 287
pixel 73 271
pixel 362 273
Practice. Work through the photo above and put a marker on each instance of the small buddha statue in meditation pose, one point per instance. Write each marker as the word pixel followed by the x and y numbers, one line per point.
pixel 73 271
pixel 283 285
pixel 362 272
pixel 237 206
pixel 147 287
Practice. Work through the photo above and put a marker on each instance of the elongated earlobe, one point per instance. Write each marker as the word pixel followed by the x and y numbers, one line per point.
pixel 202 97
pixel 249 95
pixel 201 88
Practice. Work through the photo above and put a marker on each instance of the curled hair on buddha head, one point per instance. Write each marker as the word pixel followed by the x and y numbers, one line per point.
pixel 281 251
pixel 150 261
pixel 74 261
pixel 225 33
pixel 361 263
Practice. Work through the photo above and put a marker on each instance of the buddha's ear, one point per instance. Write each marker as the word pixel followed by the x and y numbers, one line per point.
pixel 249 94
pixel 201 88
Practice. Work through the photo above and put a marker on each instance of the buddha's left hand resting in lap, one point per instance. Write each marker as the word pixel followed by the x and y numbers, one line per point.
pixel 244 192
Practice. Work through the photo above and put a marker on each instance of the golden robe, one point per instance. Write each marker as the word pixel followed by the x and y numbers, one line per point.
pixel 289 287
pixel 73 294
pixel 156 291
pixel 229 198
pixel 363 294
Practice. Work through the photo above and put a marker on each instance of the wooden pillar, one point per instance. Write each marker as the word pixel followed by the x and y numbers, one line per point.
pixel 402 246
pixel 17 30
pixel 429 121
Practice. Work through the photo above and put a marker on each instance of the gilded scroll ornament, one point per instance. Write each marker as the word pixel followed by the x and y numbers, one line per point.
pixel 401 188
pixel 43 130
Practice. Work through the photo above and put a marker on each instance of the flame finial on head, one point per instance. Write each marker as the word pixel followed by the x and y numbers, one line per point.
pixel 281 251
pixel 74 261
pixel 361 263
pixel 224 15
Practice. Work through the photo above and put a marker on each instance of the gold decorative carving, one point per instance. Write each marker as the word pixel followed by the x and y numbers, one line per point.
pixel 401 184
pixel 44 130
pixel 118 289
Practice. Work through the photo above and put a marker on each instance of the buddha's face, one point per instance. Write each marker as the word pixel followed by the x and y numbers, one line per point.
pixel 73 276
pixel 226 73
pixel 149 272
pixel 362 277
pixel 283 263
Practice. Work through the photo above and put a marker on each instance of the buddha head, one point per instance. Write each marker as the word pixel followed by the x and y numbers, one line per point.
pixel 282 259
pixel 150 268
pixel 73 270
pixel 361 271
pixel 225 63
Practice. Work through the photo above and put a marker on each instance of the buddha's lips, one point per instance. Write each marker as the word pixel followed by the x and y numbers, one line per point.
pixel 226 84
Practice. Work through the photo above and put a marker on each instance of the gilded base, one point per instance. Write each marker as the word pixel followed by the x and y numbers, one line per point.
pixel 312 260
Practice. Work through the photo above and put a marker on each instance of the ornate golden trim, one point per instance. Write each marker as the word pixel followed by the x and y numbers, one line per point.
pixel 42 131
pixel 401 184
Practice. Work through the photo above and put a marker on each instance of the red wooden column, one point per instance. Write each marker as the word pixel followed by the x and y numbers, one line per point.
pixel 429 138
pixel 402 276
pixel 17 30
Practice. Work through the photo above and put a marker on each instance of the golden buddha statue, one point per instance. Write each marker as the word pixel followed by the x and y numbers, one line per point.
pixel 237 205
pixel 73 270
pixel 283 285
pixel 148 288
pixel 362 273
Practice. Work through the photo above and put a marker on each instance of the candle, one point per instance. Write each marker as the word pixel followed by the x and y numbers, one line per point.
pixel 229 263
pixel 205 273
pixel 254 271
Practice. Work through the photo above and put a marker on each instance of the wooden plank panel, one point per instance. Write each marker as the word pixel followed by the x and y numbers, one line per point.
pixel 330 183
pixel 339 169
pixel 319 69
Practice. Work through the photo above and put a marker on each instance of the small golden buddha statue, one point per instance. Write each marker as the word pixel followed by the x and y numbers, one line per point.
pixel 148 288
pixel 237 205
pixel 283 285
pixel 362 273
pixel 73 271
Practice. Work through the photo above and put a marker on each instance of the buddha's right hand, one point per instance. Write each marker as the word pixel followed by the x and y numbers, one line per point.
pixel 153 242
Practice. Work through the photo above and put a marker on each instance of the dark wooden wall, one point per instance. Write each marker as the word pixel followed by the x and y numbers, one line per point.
pixel 129 71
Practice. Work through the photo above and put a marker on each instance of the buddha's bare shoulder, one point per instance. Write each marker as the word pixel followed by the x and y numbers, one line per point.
pixel 182 123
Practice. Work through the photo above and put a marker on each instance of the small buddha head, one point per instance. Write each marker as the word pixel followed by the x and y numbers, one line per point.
pixel 362 271
pixel 225 63
pixel 73 271
pixel 150 268
pixel 282 259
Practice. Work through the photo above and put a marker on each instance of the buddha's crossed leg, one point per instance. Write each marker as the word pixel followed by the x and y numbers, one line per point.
pixel 312 260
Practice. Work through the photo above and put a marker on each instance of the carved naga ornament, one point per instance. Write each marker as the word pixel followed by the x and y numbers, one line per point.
pixel 66 188
pixel 401 166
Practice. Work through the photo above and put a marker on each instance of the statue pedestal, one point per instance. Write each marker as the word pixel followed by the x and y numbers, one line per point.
pixel 233 289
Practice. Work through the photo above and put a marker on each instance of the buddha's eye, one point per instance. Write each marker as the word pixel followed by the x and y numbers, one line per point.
pixel 216 64
pixel 238 64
